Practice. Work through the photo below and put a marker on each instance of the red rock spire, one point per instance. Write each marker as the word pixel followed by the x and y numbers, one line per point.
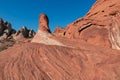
pixel 44 23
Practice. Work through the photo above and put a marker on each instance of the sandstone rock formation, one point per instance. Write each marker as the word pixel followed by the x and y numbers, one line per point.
pixel 7 31
pixel 31 33
pixel 77 55
pixel 1 26
pixel 9 36
pixel 24 33
pixel 44 35
pixel 95 27
pixel 33 61
pixel 59 32
pixel 44 23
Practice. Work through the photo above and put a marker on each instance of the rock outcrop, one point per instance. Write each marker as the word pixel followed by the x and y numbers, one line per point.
pixel 95 27
pixel 44 35
pixel 77 55
pixel 44 23
pixel 24 33
pixel 59 32
pixel 9 36
pixel 7 31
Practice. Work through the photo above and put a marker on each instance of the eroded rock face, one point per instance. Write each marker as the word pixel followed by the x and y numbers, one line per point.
pixel 9 36
pixel 1 26
pixel 6 31
pixel 31 33
pixel 24 33
pixel 114 33
pixel 59 32
pixel 95 27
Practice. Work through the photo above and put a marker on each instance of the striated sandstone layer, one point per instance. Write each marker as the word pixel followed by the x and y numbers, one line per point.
pixel 33 61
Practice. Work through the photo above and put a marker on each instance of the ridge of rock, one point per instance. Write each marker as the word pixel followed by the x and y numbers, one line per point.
pixel 9 36
pixel 7 31
pixel 24 33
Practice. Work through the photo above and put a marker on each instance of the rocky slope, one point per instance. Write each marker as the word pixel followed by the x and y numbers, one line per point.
pixel 35 61
pixel 82 51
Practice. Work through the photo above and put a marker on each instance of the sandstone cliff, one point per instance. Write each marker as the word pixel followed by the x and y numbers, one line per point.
pixel 100 26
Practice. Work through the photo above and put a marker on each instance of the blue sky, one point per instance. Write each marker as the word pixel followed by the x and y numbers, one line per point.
pixel 26 12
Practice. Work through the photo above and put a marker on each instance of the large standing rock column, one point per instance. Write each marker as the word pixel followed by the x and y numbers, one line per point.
pixel 44 35
pixel 44 23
